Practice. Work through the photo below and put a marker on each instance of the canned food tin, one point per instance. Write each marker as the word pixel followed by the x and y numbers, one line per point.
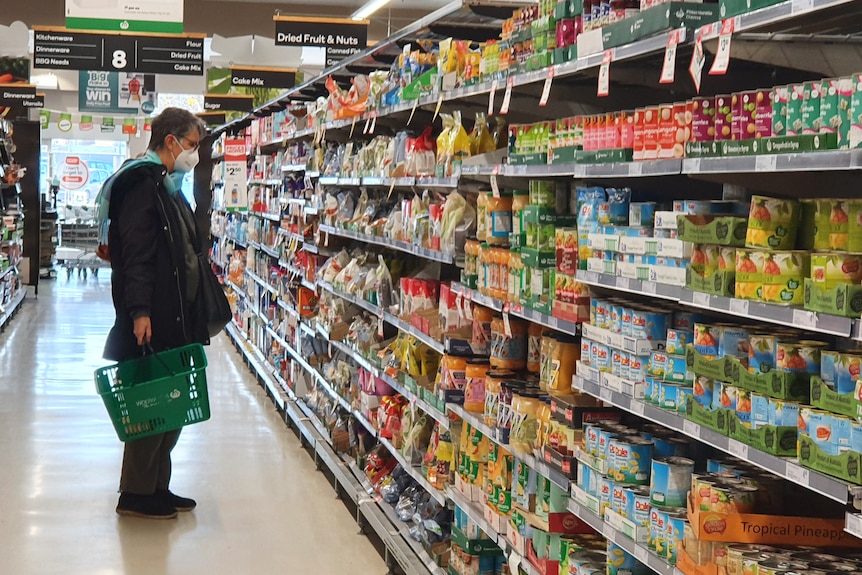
pixel 631 460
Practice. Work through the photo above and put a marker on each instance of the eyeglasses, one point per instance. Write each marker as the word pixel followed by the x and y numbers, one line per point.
pixel 195 144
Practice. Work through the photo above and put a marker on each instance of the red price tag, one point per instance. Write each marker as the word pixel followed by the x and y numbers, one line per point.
pixel 507 96
pixel 491 98
pixel 668 69
pixel 546 91
pixel 722 55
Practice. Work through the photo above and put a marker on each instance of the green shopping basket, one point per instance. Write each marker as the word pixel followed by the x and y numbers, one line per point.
pixel 157 393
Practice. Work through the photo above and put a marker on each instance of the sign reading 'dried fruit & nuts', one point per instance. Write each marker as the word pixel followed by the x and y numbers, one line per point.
pixel 62 49
pixel 342 37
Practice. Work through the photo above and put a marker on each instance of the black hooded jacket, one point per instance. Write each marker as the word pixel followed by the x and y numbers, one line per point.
pixel 149 275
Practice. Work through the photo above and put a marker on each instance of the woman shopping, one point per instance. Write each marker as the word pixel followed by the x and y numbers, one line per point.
pixel 148 232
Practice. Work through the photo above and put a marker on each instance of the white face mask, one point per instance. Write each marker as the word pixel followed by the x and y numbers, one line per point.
pixel 186 161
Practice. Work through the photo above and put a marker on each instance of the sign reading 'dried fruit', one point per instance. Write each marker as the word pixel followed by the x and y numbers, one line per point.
pixel 61 49
pixel 340 36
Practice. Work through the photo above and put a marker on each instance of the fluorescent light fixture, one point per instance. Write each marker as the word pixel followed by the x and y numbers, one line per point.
pixel 368 9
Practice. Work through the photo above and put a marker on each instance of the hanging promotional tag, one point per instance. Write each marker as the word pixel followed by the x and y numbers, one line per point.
pixel 546 91
pixel 668 69
pixel 413 111
pixel 352 125
pixel 507 327
pixel 380 327
pixel 373 123
pixel 491 98
pixel 697 61
pixel 437 109
pixel 391 188
pixel 722 56
pixel 495 187
pixel 605 74
pixel 507 96
pixel 459 305
pixel 367 124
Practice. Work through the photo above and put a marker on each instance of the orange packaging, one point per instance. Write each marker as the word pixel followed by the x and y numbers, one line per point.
pixel 769 529
pixel 613 131
pixel 599 128
pixel 588 133
pixel 666 131
pixel 638 134
pixel 682 131
pixel 577 131
pixel 651 130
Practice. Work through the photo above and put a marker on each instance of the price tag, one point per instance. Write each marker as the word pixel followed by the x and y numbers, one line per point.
pixel 636 169
pixel 797 474
pixel 413 111
pixel 546 90
pixel 380 327
pixel 648 287
pixel 606 394
pixel 591 277
pixel 468 310
pixel 700 299
pixel 437 108
pixel 575 508
pixel 690 428
pixel 373 124
pixel 495 187
pixel 798 6
pixel 507 96
pixel 803 318
pixel 507 327
pixel 854 524
pixel 765 163
pixel 693 165
pixel 391 189
pixel 491 98
pixel 698 59
pixel 641 554
pixel 668 69
pixel 367 124
pixel 605 74
pixel 352 125
pixel 609 532
pixel 624 283
pixel 637 407
pixel 326 240
pixel 722 55
pixel 737 448
pixel 514 562
pixel 739 306
pixel 459 305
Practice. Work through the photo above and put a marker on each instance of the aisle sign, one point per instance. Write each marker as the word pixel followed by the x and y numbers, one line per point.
pixel 126 93
pixel 228 102
pixel 17 94
pixel 253 77
pixel 342 37
pixel 128 15
pixel 235 174
pixel 213 118
pixel 61 49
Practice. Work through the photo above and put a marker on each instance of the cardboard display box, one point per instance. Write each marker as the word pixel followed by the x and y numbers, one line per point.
pixel 721 282
pixel 844 300
pixel 715 419
pixel 772 439
pixel 841 403
pixel 846 466
pixel 713 230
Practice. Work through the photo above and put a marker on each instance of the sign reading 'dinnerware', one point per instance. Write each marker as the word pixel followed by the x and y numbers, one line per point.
pixel 19 95
pixel 321 32
pixel 62 49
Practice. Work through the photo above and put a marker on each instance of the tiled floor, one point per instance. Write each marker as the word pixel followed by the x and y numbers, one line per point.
pixel 262 507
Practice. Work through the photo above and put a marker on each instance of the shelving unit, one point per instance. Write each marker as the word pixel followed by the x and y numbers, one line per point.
pixel 767 27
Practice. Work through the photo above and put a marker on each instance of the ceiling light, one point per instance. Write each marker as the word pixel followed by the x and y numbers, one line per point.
pixel 368 9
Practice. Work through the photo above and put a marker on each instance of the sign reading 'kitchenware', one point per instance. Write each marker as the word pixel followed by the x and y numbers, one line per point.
pixel 62 49
pixel 321 32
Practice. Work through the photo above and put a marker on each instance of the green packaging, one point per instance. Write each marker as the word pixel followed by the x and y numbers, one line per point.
pixel 779 110
pixel 811 100
pixel 793 113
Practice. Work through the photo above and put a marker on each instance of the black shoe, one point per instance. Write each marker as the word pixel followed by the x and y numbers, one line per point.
pixel 175 501
pixel 144 506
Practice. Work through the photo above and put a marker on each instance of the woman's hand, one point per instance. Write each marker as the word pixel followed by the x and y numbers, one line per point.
pixel 143 329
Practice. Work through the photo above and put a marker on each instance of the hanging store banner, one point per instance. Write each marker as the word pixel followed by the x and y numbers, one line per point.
pixel 228 103
pixel 164 16
pixel 16 94
pixel 117 93
pixel 213 118
pixel 341 37
pixel 253 77
pixel 235 176
pixel 62 49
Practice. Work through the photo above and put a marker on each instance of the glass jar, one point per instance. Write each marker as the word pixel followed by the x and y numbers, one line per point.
pixel 499 218
pixel 471 263
pixel 501 257
pixel 474 390
pixel 484 269
pixel 481 216
pixel 534 348
pixel 520 200
pixel 453 372
pixel 525 422
pixel 493 387
pixel 516 267
pixel 508 352
pixel 482 318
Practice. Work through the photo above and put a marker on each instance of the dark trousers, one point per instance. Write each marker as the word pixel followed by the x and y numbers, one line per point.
pixel 147 463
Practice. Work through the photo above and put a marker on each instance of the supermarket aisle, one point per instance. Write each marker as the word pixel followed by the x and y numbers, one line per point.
pixel 262 507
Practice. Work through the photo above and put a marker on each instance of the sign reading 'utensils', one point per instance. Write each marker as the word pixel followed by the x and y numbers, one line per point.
pixel 338 33
pixel 20 95
pixel 61 49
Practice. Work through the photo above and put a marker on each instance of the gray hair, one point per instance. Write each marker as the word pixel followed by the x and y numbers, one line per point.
pixel 176 122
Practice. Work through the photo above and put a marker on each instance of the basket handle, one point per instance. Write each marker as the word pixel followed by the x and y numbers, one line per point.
pixel 149 348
